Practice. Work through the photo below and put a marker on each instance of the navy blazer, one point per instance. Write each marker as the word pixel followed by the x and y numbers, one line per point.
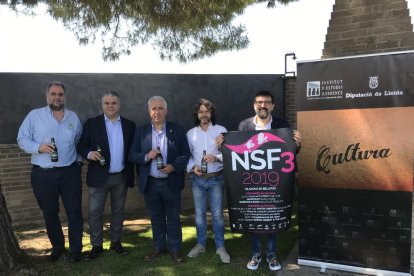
pixel 93 134
pixel 178 154
pixel 248 124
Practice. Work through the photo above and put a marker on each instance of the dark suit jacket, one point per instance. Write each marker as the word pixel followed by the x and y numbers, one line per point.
pixel 178 154
pixel 248 124
pixel 93 134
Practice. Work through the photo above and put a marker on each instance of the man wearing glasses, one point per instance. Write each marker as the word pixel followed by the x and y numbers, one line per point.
pixel 263 106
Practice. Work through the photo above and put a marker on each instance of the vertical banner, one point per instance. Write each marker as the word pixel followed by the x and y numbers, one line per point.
pixel 355 176
pixel 259 171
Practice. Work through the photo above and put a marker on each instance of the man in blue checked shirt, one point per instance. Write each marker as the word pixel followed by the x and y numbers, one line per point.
pixel 51 179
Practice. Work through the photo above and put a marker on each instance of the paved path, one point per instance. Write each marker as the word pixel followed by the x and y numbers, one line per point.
pixel 290 267
pixel 290 264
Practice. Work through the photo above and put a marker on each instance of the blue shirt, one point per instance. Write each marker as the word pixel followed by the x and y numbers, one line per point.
pixel 40 126
pixel 116 144
pixel 159 139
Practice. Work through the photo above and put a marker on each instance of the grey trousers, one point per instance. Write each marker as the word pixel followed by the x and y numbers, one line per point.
pixel 117 188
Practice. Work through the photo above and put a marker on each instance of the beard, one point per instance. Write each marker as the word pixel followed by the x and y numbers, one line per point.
pixel 263 113
pixel 56 107
pixel 205 120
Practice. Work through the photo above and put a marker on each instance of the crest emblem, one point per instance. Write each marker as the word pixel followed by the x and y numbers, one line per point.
pixel 373 82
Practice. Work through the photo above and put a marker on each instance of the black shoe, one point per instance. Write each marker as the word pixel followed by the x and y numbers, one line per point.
pixel 75 257
pixel 177 257
pixel 55 254
pixel 154 254
pixel 117 246
pixel 96 250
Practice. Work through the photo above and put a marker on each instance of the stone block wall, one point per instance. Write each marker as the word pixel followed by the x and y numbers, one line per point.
pixel 359 27
pixel 290 101
pixel 15 169
pixel 15 184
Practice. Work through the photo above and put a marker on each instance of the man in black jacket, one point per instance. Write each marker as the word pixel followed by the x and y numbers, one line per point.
pixel 105 142
pixel 263 106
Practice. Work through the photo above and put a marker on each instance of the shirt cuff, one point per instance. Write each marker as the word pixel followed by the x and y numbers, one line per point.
pixel 88 156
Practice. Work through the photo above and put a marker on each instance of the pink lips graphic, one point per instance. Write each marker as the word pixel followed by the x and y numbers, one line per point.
pixel 255 142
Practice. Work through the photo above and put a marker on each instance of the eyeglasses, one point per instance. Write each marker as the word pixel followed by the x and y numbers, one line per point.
pixel 263 102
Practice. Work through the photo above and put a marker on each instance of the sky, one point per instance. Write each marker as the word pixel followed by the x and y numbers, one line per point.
pixel 40 44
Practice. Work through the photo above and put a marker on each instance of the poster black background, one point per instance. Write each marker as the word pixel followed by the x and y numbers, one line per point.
pixel 246 217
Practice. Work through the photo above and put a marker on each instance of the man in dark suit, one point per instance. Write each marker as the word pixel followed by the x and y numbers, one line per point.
pixel 105 142
pixel 161 186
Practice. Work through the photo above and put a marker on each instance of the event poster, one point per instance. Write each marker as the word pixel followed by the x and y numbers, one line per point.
pixel 355 173
pixel 259 170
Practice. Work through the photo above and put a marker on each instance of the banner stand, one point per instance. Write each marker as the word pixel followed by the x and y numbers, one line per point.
pixel 369 271
pixel 355 209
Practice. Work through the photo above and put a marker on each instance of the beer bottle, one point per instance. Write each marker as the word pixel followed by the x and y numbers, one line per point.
pixel 102 160
pixel 159 159
pixel 54 154
pixel 204 163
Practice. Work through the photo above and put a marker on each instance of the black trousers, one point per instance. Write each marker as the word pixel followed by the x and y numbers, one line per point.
pixel 64 182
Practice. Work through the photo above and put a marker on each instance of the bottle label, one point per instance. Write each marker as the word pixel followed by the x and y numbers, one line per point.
pixel 160 163
pixel 203 163
pixel 54 154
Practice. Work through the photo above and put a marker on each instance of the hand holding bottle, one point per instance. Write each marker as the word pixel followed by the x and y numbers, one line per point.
pixel 46 148
pixel 210 158
pixel 197 170
pixel 152 154
pixel 101 159
pixel 97 156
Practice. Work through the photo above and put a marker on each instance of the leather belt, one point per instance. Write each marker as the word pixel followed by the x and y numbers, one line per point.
pixel 210 175
pixel 52 168
pixel 116 172
pixel 159 178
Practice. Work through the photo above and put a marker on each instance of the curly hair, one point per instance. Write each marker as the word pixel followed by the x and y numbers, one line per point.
pixel 209 105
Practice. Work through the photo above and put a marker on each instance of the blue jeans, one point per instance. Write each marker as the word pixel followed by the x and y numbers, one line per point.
pixel 117 188
pixel 271 243
pixel 211 188
pixel 164 205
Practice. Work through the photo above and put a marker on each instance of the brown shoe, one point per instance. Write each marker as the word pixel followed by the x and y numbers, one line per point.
pixel 177 257
pixel 155 253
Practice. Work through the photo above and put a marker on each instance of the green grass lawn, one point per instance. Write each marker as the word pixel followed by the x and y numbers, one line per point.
pixel 139 242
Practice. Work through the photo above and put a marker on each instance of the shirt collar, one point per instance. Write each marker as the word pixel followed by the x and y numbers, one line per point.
pixel 208 128
pixel 51 111
pixel 163 129
pixel 267 126
pixel 117 119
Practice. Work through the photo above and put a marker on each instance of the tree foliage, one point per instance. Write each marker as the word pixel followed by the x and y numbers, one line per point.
pixel 184 30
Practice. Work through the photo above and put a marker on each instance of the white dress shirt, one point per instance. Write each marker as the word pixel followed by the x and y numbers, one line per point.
pixel 199 140
pixel 265 127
